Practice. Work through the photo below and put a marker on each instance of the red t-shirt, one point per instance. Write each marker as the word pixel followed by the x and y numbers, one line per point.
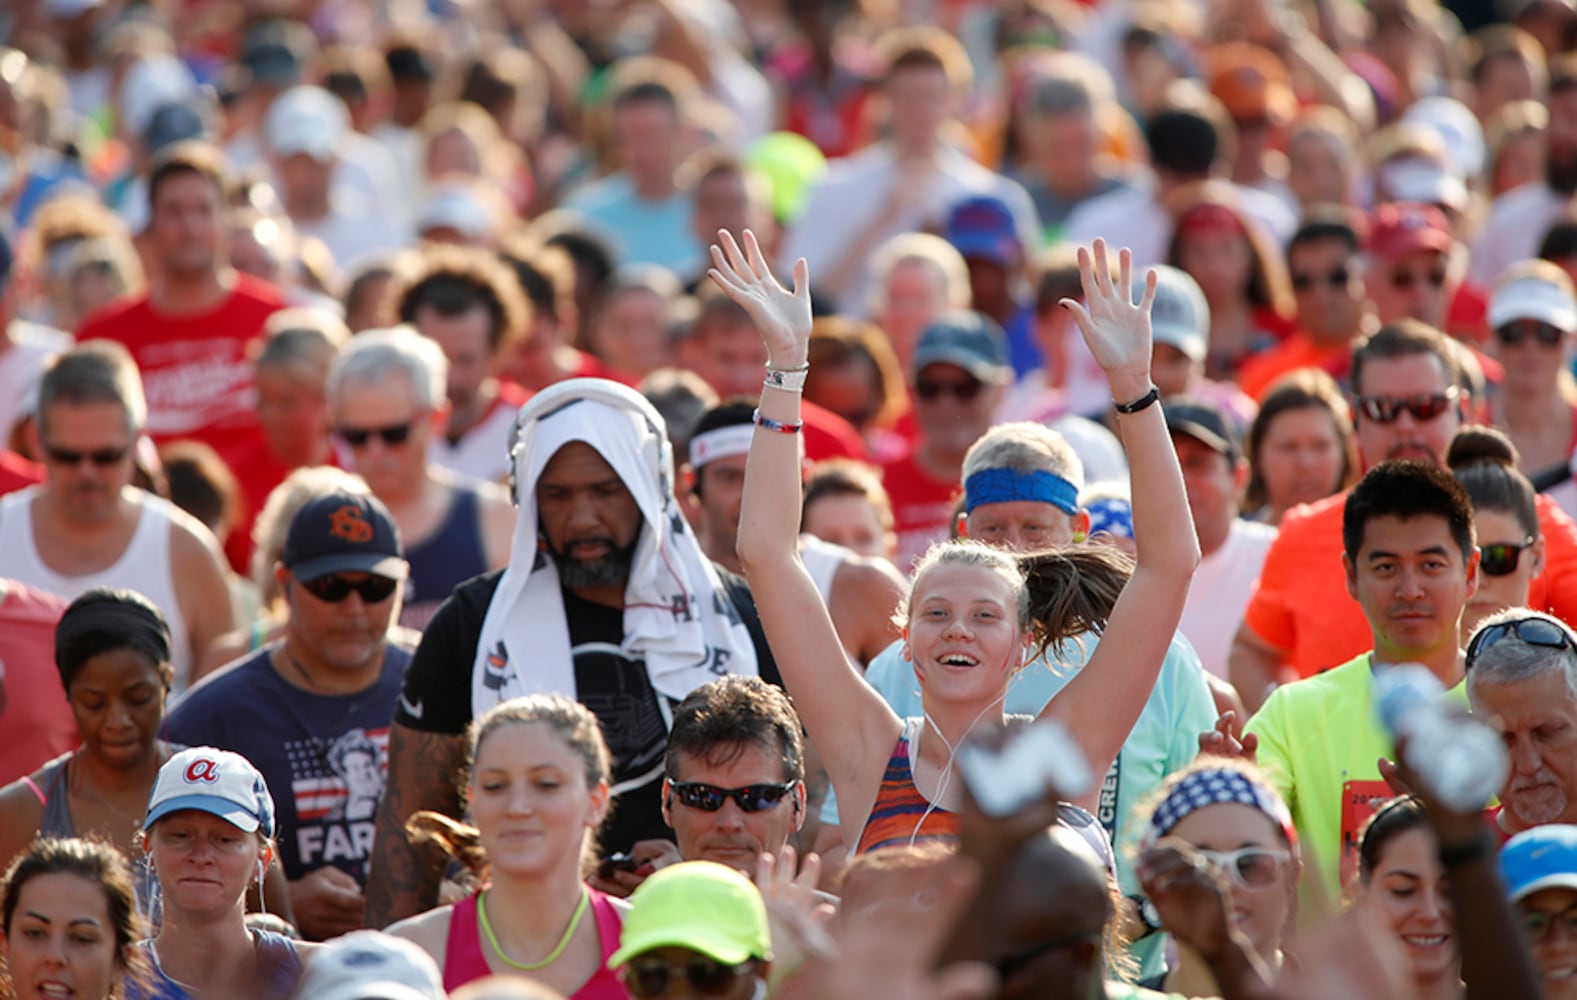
pixel 922 507
pixel 828 435
pixel 17 472
pixel 34 714
pixel 198 381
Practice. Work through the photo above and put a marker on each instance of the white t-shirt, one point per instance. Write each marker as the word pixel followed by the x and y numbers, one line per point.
pixel 1516 226
pixel 1131 217
pixel 1219 593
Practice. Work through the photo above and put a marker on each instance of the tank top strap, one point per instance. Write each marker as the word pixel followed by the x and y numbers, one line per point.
pixel 901 815
pixel 463 958
pixel 56 820
pixel 604 983
pixel 278 965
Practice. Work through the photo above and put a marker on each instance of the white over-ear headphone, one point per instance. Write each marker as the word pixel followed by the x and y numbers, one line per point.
pixel 657 450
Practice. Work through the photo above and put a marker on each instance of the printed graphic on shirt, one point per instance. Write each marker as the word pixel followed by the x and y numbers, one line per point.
pixel 336 785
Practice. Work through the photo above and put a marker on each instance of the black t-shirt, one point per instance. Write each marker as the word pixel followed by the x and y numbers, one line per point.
pixel 437 691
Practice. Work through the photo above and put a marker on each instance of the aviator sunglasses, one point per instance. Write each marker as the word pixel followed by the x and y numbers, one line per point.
pixel 749 798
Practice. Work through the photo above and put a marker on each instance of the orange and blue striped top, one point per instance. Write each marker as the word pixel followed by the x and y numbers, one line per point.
pixel 900 817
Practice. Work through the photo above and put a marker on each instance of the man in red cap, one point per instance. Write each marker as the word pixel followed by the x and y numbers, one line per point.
pixel 1412 273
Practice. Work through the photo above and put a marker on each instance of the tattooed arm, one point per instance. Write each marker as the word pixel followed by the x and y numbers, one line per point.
pixel 423 771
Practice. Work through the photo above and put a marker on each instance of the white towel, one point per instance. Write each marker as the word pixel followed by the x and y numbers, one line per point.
pixel 678 618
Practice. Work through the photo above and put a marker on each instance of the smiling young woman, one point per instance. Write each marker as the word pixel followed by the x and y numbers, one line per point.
pixel 537 786
pixel 1402 883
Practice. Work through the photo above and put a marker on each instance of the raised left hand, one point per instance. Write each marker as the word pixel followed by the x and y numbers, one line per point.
pixel 1116 330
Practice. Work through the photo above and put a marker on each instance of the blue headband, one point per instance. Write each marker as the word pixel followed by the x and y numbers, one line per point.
pixel 1006 485
pixel 1212 786
pixel 1111 515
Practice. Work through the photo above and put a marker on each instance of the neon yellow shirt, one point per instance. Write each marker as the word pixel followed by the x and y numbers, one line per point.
pixel 1320 743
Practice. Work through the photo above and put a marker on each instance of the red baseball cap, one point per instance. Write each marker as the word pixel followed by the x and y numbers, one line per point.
pixel 1401 228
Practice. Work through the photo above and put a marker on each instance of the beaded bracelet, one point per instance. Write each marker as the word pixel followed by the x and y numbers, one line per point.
pixel 778 426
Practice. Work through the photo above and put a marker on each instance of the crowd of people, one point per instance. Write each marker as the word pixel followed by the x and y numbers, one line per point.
pixel 850 499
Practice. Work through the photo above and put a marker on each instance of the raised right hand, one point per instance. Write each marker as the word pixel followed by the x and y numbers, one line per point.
pixel 782 317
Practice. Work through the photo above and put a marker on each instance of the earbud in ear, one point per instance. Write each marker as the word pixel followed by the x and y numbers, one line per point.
pixel 259 871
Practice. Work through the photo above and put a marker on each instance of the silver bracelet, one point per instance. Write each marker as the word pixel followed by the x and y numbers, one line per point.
pixel 787 379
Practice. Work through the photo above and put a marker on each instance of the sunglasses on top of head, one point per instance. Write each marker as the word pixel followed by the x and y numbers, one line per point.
pixel 1427 406
pixel 334 588
pixel 749 798
pixel 1539 632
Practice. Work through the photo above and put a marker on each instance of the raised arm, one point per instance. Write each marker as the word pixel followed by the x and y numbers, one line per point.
pixel 1100 705
pixel 845 718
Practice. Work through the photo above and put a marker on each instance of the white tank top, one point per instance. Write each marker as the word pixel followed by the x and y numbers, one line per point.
pixel 144 566
pixel 822 560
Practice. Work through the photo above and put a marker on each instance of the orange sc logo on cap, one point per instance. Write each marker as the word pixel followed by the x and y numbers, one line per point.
pixel 350 524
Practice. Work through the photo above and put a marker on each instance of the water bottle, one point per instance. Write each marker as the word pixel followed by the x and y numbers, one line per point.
pixel 1461 760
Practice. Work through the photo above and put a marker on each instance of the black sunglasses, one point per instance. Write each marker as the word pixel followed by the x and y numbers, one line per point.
pixel 1335 279
pixel 1533 631
pixel 650 977
pixel 357 437
pixel 964 392
pixel 749 798
pixel 1519 330
pixel 1009 964
pixel 1404 279
pixel 1386 409
pixel 334 589
pixel 1501 559
pixel 72 457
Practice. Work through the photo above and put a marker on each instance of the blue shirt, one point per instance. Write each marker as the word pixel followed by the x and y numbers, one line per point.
pixel 646 232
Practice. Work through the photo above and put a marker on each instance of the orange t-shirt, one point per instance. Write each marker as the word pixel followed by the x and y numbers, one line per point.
pixel 1301 605
pixel 1262 370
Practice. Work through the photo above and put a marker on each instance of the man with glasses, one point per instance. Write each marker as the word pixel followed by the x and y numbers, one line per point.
pixel 733 783
pixel 1533 313
pixel 1522 675
pixel 1408 405
pixel 1410 563
pixel 1540 869
pixel 1333 308
pixel 960 373
pixel 696 929
pixel 320 695
pixel 85 526
pixel 386 393
pixel 1413 264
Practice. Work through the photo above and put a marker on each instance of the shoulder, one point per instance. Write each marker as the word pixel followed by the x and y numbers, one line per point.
pixel 1315 518
pixel 428 931
pixel 230 681
pixel 1308 694
pixel 467 604
pixel 108 322
pixel 872 577
pixel 189 538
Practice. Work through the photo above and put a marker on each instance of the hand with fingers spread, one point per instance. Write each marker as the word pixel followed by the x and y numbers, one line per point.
pixel 1116 329
pixel 782 317
pixel 795 912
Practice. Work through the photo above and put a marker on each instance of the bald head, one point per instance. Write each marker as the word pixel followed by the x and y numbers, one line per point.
pixel 1054 903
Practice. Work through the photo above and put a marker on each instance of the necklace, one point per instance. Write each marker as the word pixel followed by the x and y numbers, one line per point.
pixel 553 956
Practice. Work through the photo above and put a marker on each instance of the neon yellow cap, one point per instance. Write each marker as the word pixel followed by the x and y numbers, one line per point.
pixel 700 905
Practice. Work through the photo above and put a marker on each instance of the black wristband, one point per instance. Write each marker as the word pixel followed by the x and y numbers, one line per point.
pixel 1134 407
pixel 1477 849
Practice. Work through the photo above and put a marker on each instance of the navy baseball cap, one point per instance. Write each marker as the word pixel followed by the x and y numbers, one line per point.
pixel 983 228
pixel 1205 422
pixel 968 340
pixel 343 532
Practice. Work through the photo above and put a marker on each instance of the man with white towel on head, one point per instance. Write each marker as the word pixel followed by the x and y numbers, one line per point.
pixel 607 597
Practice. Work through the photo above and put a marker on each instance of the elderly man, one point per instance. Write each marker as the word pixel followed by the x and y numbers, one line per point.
pixel 86 526
pixel 608 597
pixel 1522 676
pixel 386 391
pixel 311 710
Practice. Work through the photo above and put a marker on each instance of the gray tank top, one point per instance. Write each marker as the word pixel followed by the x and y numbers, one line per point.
pixel 56 823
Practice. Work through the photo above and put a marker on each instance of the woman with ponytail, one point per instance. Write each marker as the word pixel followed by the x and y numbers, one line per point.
pixel 975 615
pixel 537 788
pixel 1505 522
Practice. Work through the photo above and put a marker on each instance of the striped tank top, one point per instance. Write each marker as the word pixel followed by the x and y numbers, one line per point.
pixel 899 816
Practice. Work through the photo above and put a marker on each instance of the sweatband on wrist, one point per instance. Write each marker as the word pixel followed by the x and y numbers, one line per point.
pixel 1008 485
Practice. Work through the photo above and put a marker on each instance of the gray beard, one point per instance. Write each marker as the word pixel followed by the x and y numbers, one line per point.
pixel 608 571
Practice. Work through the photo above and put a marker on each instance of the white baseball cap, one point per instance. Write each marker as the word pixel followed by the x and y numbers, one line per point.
pixel 214 781
pixel 364 965
pixel 306 120
pixel 1533 296
pixel 1179 316
pixel 457 205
